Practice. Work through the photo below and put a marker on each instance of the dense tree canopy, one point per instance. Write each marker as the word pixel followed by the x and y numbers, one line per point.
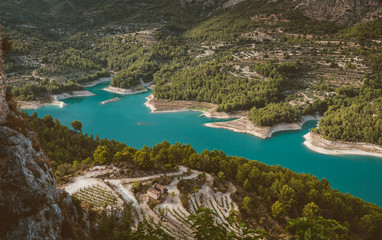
pixel 30 91
pixel 275 113
pixel 212 82
pixel 355 114
pixel 317 228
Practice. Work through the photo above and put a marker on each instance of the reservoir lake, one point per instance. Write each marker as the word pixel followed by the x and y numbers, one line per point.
pixel 131 122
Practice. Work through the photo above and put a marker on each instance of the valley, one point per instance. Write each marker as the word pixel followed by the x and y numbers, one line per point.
pixel 279 65
pixel 190 119
pixel 130 121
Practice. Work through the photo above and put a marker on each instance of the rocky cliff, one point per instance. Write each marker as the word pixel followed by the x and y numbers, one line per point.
pixel 3 104
pixel 342 12
pixel 31 207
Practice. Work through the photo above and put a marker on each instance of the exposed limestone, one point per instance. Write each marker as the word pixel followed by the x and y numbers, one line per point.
pixel 31 207
pixel 344 13
pixel 317 143
pixel 4 109
pixel 28 197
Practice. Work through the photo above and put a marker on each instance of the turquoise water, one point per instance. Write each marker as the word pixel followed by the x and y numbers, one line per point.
pixel 131 122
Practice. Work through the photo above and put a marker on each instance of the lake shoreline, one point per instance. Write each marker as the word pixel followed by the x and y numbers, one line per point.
pixel 65 95
pixel 244 125
pixel 72 94
pixel 37 104
pixel 96 82
pixel 123 91
pixel 317 143
pixel 207 109
pixel 241 124
pixel 56 100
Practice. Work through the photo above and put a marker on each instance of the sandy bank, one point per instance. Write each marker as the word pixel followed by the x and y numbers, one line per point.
pixel 101 80
pixel 72 94
pixel 167 106
pixel 317 143
pixel 37 104
pixel 244 125
pixel 293 126
pixel 149 104
pixel 122 91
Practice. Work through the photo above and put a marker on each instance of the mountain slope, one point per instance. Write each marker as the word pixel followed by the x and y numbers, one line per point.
pixel 341 12
pixel 73 14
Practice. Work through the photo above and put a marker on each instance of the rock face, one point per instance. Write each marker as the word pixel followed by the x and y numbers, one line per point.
pixel 31 207
pixel 3 104
pixel 343 12
pixel 28 197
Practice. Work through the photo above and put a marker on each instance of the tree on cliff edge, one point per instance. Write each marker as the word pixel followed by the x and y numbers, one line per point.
pixel 77 125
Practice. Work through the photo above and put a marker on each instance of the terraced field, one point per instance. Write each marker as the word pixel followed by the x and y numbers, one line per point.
pixel 97 196
pixel 93 188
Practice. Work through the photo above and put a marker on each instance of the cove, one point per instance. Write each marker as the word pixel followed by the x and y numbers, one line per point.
pixel 131 122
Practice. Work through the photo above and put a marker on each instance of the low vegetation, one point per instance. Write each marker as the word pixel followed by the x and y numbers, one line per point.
pixel 95 197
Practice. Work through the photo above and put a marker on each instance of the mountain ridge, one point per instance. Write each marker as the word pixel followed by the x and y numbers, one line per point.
pixel 342 12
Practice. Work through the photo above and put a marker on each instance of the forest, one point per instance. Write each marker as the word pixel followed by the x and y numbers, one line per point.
pixel 281 191
pixel 212 82
pixel 275 113
pixel 30 91
pixel 75 59
pixel 355 113
pixel 143 67
pixel 124 55
pixel 37 87
pixel 363 32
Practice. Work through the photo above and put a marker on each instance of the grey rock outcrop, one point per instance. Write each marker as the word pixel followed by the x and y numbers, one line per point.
pixel 28 196
pixel 342 12
pixel 31 207
pixel 3 103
